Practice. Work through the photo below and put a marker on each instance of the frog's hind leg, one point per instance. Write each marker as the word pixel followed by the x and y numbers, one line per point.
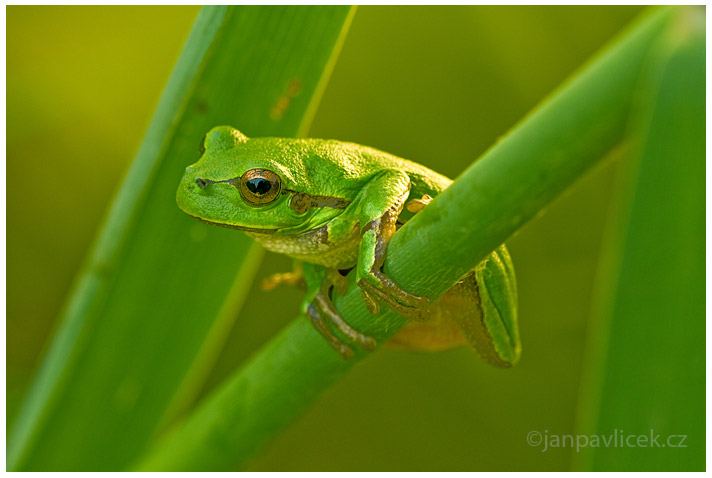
pixel 441 330
pixel 494 332
pixel 437 333
pixel 480 310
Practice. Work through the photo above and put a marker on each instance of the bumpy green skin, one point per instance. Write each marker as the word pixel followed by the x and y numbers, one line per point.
pixel 337 208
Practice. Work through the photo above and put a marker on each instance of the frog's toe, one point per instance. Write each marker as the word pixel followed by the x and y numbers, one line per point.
pixel 366 342
pixel 285 278
pixel 324 317
pixel 403 297
pixel 407 305
pixel 320 325
pixel 334 318
pixel 417 205
pixel 372 304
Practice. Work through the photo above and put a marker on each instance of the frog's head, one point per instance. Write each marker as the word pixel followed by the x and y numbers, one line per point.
pixel 243 184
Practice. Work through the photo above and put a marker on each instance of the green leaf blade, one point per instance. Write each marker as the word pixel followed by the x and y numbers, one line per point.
pixel 159 290
pixel 648 359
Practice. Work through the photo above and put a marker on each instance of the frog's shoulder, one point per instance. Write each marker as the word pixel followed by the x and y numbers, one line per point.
pixel 356 159
pixel 358 156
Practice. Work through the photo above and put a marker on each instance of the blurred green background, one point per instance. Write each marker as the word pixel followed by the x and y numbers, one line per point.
pixel 435 85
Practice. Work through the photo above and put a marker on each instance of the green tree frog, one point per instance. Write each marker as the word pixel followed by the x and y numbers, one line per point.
pixel 333 206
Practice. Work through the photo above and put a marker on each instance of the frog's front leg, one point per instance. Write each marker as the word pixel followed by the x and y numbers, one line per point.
pixel 317 305
pixel 380 204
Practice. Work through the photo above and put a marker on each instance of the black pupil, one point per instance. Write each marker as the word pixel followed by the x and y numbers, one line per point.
pixel 258 186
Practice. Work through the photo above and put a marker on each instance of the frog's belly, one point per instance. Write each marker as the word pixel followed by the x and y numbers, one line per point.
pixel 315 247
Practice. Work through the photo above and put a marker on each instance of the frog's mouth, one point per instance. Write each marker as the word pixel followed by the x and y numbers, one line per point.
pixel 233 226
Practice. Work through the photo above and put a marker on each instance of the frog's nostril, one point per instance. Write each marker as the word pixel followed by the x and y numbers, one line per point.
pixel 201 182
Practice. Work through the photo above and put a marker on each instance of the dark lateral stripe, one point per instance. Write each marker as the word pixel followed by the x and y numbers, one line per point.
pixel 301 202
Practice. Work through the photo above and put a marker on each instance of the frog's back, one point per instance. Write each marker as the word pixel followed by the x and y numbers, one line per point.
pixel 354 162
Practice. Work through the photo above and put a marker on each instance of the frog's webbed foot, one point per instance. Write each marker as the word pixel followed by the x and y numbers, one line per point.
pixel 324 316
pixel 417 205
pixel 406 304
pixel 294 278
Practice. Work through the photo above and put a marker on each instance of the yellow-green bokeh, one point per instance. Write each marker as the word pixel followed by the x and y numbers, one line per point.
pixel 435 85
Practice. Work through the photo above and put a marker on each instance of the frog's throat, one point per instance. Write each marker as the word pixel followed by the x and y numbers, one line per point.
pixel 233 226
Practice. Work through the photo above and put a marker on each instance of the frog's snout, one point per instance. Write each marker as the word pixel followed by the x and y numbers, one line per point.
pixel 190 180
pixel 203 182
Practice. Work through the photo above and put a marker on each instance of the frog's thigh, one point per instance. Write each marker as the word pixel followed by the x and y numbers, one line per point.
pixel 430 336
pixel 442 330
pixel 497 340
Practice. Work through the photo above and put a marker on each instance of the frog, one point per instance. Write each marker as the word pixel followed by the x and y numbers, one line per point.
pixel 333 207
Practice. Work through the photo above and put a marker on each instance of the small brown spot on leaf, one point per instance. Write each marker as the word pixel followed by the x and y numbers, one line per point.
pixel 282 104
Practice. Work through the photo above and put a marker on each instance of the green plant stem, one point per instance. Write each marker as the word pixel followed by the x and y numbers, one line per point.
pixel 513 182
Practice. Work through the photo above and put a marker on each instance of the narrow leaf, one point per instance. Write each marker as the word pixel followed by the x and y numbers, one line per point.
pixel 647 390
pixel 159 290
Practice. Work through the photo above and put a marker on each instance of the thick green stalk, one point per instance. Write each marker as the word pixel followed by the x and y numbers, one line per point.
pixel 513 182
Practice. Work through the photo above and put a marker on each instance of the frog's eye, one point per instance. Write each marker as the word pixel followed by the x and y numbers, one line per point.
pixel 259 187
